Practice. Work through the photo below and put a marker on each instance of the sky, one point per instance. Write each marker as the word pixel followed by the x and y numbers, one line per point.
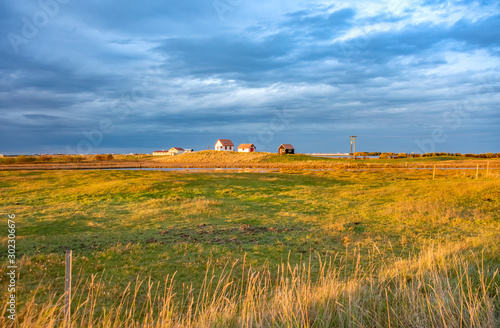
pixel 133 77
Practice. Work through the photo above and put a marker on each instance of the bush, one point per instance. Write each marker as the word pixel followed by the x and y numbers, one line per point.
pixel 103 157
pixel 7 160
pixel 25 159
pixel 45 158
pixel 383 156
pixel 69 158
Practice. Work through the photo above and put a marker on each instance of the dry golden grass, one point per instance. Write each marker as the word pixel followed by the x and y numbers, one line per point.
pixel 221 159
pixel 439 287
pixel 127 224
pixel 215 157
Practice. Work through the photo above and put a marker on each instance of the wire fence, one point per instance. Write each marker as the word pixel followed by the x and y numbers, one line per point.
pixel 80 276
pixel 141 265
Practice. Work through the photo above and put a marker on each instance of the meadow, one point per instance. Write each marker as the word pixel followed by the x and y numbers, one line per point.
pixel 299 248
pixel 211 158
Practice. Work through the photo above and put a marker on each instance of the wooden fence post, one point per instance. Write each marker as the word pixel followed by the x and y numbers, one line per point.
pixel 434 173
pixel 67 289
pixel 477 172
pixel 488 168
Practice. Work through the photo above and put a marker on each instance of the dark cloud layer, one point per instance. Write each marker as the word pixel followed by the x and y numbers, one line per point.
pixel 134 77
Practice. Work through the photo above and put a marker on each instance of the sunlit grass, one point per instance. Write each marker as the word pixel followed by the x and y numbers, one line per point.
pixel 403 225
pixel 439 287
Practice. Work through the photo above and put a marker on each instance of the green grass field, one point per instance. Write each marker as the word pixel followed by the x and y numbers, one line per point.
pixel 147 225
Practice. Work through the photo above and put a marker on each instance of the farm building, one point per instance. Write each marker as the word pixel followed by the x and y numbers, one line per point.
pixel 286 149
pixel 160 153
pixel 171 152
pixel 175 151
pixel 246 148
pixel 224 145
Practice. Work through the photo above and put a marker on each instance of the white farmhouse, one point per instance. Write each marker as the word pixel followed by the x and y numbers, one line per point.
pixel 224 145
pixel 175 151
pixel 246 148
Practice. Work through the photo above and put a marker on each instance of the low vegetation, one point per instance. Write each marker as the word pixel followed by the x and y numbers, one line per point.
pixel 55 159
pixel 310 249
pixel 412 155
pixel 212 158
pixel 434 289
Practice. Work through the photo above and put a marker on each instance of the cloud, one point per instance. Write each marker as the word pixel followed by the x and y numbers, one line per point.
pixel 175 69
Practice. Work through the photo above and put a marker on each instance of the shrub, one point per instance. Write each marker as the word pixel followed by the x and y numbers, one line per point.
pixel 76 158
pixel 45 158
pixel 109 157
pixel 99 157
pixel 7 160
pixel 383 156
pixel 25 159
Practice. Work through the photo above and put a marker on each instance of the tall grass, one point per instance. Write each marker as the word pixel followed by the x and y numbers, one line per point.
pixel 438 287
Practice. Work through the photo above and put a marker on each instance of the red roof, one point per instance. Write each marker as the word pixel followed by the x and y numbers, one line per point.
pixel 244 146
pixel 225 142
pixel 177 148
pixel 286 146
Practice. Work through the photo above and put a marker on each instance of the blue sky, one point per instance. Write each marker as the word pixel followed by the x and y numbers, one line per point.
pixel 123 76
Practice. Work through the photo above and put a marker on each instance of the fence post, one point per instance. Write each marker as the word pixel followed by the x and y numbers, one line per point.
pixel 67 289
pixel 434 173
pixel 477 172
pixel 488 168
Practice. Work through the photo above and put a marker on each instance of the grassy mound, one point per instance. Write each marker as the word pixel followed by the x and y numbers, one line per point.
pixel 219 157
pixel 212 157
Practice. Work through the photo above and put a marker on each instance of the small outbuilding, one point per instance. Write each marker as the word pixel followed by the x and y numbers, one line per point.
pixel 224 145
pixel 160 153
pixel 246 148
pixel 286 149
